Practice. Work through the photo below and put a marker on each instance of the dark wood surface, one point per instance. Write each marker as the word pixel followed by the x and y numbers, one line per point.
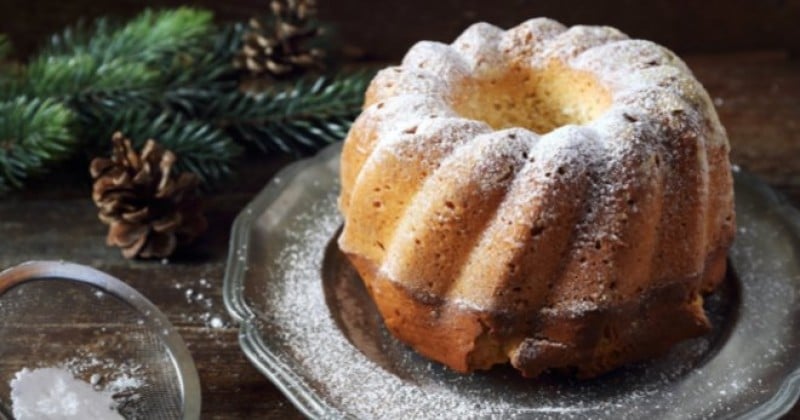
pixel 758 99
pixel 757 96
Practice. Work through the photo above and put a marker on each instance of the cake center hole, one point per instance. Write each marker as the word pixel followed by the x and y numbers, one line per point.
pixel 539 100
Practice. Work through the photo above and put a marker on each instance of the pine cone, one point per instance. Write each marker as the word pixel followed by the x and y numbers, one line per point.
pixel 149 208
pixel 278 48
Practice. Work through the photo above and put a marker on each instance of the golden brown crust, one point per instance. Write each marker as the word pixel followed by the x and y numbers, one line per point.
pixel 553 197
pixel 587 340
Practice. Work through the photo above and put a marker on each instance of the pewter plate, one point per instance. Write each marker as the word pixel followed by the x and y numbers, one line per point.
pixel 308 325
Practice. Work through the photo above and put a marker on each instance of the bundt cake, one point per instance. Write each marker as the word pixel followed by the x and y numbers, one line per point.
pixel 559 198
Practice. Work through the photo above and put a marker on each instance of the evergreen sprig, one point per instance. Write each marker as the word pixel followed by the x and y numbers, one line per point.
pixel 166 75
pixel 203 149
pixel 137 55
pixel 298 120
pixel 34 135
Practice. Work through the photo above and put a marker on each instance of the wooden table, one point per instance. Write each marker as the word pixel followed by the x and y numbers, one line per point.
pixel 757 96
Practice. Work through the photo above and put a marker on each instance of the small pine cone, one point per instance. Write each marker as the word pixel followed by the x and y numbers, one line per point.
pixel 150 209
pixel 278 48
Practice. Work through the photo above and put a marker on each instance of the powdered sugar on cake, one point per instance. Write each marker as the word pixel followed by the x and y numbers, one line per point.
pixel 651 90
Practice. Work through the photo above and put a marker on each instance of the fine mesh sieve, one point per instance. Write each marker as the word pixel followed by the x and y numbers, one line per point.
pixel 57 314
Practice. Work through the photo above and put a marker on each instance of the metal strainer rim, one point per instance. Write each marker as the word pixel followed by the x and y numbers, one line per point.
pixel 180 357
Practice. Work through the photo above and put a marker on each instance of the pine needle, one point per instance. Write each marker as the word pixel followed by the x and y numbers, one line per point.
pixel 166 75
pixel 35 134
pixel 299 120
pixel 137 55
pixel 201 148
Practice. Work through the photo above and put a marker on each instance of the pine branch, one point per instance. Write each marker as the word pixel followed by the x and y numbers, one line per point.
pixel 164 75
pixel 138 55
pixel 202 79
pixel 214 63
pixel 34 135
pixel 201 148
pixel 155 37
pixel 114 77
pixel 58 76
pixel 149 37
pixel 299 120
pixel 212 75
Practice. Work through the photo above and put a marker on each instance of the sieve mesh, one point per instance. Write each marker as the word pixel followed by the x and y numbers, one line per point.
pixel 104 333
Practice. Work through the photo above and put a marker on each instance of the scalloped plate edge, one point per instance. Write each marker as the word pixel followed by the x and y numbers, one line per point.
pixel 307 400
pixel 292 386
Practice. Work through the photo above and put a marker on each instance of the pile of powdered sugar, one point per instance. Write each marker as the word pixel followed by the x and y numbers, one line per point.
pixel 54 393
pixel 57 392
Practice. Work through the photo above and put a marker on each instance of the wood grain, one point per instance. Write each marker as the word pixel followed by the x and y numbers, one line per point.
pixel 758 97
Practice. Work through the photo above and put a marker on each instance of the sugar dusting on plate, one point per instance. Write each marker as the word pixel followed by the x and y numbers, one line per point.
pixel 721 374
pixel 304 321
pixel 293 332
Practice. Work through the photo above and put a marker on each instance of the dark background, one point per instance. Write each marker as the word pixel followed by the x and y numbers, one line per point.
pixel 385 29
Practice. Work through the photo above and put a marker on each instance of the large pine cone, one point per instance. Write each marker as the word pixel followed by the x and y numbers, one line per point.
pixel 149 208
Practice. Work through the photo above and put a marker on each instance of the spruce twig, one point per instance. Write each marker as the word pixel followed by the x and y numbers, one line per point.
pixel 35 134
pixel 298 120
pixel 136 55
pixel 203 149
pixel 165 75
